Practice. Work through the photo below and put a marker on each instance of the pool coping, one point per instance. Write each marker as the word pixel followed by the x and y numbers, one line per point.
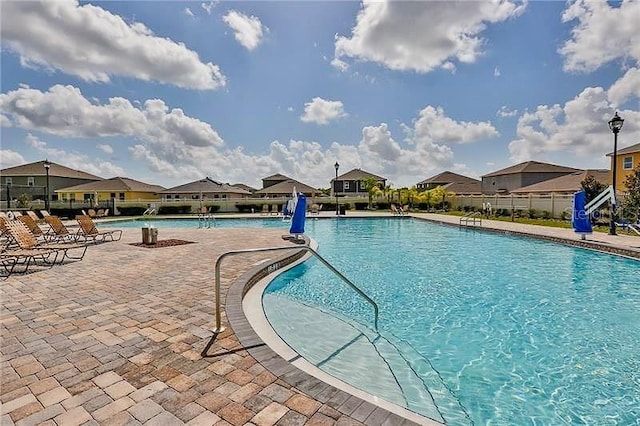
pixel 361 409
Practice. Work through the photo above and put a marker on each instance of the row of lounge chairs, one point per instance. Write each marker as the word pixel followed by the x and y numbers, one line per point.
pixel 23 242
pixel 399 211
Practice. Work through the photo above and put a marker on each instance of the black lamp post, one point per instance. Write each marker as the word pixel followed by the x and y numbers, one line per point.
pixel 47 165
pixel 335 187
pixel 615 124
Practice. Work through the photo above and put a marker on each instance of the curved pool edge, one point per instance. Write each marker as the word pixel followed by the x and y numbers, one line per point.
pixel 246 316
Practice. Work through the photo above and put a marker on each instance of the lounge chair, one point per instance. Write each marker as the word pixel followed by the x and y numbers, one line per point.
pixel 274 210
pixel 58 230
pixel 394 210
pixel 44 213
pixel 34 228
pixel 33 216
pixel 8 262
pixel 27 241
pixel 405 209
pixel 24 253
pixel 315 208
pixel 88 230
pixel 91 213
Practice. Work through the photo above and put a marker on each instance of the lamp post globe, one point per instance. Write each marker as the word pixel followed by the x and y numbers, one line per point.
pixel 615 124
pixel 335 188
pixel 47 165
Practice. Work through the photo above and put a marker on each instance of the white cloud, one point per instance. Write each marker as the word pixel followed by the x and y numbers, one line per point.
pixel 578 127
pixel 433 126
pixel 248 30
pixel 107 149
pixel 177 148
pixel 603 33
pixel 188 12
pixel 10 158
pixel 496 72
pixel 94 44
pixel 4 121
pixel 321 111
pixel 209 6
pixel 627 87
pixel 64 111
pixel 506 112
pixel 422 36
pixel 74 160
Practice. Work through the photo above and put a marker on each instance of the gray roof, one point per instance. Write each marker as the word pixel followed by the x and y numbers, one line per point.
pixel 358 174
pixel 115 184
pixel 207 186
pixel 448 177
pixel 568 183
pixel 286 188
pixel 277 176
pixel 628 150
pixel 245 187
pixel 464 188
pixel 532 167
pixel 55 170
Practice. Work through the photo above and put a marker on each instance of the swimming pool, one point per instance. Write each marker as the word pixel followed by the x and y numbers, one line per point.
pixel 510 330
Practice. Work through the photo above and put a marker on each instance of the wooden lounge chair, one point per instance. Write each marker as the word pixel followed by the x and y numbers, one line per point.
pixel 8 262
pixel 91 213
pixel 88 230
pixel 394 210
pixel 44 213
pixel 265 210
pixel 27 241
pixel 58 230
pixel 274 210
pixel 23 255
pixel 33 216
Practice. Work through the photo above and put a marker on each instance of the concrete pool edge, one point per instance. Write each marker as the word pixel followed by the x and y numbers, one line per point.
pixel 287 365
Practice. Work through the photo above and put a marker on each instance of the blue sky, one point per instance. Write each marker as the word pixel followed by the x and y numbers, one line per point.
pixel 169 92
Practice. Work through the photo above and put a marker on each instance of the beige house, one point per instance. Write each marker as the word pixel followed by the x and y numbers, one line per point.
pixel 205 189
pixel 451 182
pixel 506 180
pixel 282 186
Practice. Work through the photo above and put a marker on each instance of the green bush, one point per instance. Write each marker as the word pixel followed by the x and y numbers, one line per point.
pixel 246 207
pixel 532 214
pixel 131 211
pixel 361 206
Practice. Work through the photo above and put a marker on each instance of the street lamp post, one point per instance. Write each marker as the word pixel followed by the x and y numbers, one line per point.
pixel 615 124
pixel 47 165
pixel 335 188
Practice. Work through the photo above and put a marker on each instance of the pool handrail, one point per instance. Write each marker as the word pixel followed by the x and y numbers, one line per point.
pixel 219 328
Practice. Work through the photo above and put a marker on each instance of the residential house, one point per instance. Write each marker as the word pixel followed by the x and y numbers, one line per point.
pixel 31 179
pixel 276 186
pixel 352 183
pixel 120 188
pixel 245 187
pixel 524 174
pixel 451 182
pixel 565 185
pixel 204 189
pixel 627 160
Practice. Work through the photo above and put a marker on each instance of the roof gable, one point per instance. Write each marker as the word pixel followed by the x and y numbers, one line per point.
pixel 55 170
pixel 567 183
pixel 286 187
pixel 532 167
pixel 359 174
pixel 115 184
pixel 206 185
pixel 448 177
pixel 277 176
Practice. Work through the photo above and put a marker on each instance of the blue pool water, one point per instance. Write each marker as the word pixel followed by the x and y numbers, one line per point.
pixel 512 330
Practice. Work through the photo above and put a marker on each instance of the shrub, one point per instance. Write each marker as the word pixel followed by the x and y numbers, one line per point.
pixel 131 211
pixel 361 206
pixel 532 214
pixel 246 207
pixel 175 209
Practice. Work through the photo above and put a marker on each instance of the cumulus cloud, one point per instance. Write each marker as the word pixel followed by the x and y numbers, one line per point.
pixel 208 6
pixel 627 87
pixel 603 33
pixel 188 12
pixel 579 127
pixel 4 121
pixel 107 149
pixel 422 36
pixel 94 44
pixel 178 148
pixel 64 111
pixel 248 30
pixel 321 111
pixel 10 158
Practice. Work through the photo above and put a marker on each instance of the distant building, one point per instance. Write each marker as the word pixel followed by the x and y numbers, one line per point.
pixel 204 189
pixel 566 185
pixel 245 187
pixel 31 179
pixel 282 186
pixel 352 183
pixel 524 174
pixel 120 188
pixel 627 160
pixel 451 182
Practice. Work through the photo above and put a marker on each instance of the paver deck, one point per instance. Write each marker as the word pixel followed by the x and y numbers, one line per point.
pixel 117 339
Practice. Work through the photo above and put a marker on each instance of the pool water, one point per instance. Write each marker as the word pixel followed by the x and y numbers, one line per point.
pixel 518 331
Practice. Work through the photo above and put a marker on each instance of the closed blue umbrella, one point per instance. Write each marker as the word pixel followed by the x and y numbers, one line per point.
pixel 580 219
pixel 299 216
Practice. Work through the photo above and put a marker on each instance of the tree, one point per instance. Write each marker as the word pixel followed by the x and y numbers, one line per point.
pixel 371 185
pixel 631 205
pixel 592 187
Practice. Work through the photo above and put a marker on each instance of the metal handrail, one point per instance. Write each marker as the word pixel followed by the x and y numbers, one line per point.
pixel 219 327
pixel 470 217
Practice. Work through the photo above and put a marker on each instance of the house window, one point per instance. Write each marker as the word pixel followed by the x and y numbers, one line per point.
pixel 627 163
pixel 87 197
pixel 112 195
pixel 346 185
pixel 31 181
pixel 121 196
pixel 8 181
pixel 361 185
pixel 195 197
